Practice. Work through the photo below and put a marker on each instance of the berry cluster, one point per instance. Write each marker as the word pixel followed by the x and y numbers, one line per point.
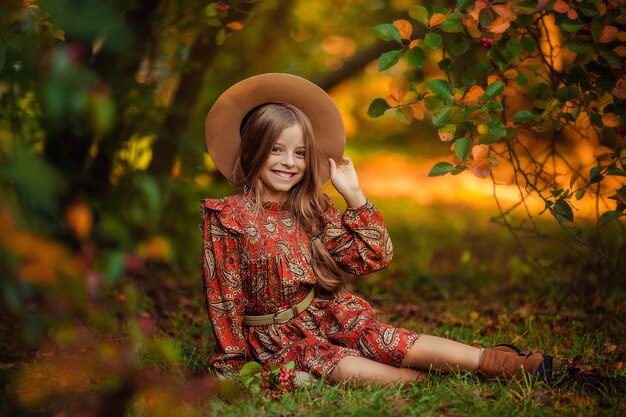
pixel 275 384
pixel 486 42
pixel 223 7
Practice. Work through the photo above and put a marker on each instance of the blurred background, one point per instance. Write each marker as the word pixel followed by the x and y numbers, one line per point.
pixel 103 163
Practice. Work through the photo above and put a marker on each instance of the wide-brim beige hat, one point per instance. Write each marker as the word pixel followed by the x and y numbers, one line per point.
pixel 224 119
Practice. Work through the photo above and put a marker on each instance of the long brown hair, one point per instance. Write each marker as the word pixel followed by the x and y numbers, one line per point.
pixel 307 203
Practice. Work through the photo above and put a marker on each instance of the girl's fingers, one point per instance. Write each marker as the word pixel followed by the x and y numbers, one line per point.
pixel 333 167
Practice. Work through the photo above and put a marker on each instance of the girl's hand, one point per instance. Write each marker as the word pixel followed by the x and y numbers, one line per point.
pixel 344 179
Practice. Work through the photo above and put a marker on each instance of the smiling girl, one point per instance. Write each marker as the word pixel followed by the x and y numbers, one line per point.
pixel 273 254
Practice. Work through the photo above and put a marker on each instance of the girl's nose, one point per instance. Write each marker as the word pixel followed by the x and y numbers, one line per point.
pixel 287 160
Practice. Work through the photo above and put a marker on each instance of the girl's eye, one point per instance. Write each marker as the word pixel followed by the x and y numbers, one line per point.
pixel 275 149
pixel 300 154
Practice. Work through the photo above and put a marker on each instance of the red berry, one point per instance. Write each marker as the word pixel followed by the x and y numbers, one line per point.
pixel 283 369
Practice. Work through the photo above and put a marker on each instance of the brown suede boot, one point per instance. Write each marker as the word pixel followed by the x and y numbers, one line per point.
pixel 510 362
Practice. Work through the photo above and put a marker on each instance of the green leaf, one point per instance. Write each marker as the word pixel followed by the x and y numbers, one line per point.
pixel 524 116
pixel 497 131
pixel 563 211
pixel 569 26
pixel 468 79
pixel 250 369
pixel 387 32
pixel 211 10
pixel 441 88
pixel 462 148
pixel 446 133
pixel 521 79
pixel 464 4
pixel 609 216
pixel 432 40
pixel 567 93
pixel 596 29
pixel 440 116
pixel 525 19
pixel 612 59
pixel 579 47
pixel 493 90
pixel 580 193
pixel 483 68
pixel 388 60
pixel 377 108
pixel 420 14
pixel 220 37
pixel 515 48
pixel 453 24
pixel 528 44
pixel 442 168
pixel 433 103
pixel 595 176
pixel 616 171
pixel 587 8
pixel 415 57
pixel 459 45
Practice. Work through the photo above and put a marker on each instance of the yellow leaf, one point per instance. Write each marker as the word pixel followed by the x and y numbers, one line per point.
pixel 446 134
pixel 398 88
pixel 619 90
pixel 234 25
pixel 418 110
pixel 437 19
pixel 504 11
pixel 480 4
pixel 481 168
pixel 472 27
pixel 572 14
pixel 500 25
pixel 472 95
pixel 405 28
pixel 414 43
pixel 492 79
pixel 603 152
pixel 392 101
pixel 79 219
pixel 511 74
pixel 610 120
pixel 621 51
pixel 509 92
pixel 561 7
pixel 609 34
pixel 478 116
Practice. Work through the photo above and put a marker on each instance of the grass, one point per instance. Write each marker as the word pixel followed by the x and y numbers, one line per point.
pixel 455 274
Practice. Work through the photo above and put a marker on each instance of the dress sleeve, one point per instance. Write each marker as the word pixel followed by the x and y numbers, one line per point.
pixel 222 284
pixel 358 239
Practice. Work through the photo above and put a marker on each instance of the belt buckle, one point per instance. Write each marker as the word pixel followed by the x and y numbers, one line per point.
pixel 275 318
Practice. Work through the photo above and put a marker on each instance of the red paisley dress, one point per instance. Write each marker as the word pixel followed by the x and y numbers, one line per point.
pixel 259 261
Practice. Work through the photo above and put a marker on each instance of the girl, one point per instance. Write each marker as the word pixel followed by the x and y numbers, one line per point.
pixel 273 254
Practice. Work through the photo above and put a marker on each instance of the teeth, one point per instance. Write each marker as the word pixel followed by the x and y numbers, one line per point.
pixel 283 174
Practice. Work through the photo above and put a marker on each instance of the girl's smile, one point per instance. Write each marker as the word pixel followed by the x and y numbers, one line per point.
pixel 285 165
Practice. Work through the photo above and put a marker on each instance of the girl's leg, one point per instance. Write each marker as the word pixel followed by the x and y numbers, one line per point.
pixel 432 352
pixel 363 370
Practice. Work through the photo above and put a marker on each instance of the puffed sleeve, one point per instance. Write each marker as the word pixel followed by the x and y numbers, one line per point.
pixel 222 283
pixel 358 240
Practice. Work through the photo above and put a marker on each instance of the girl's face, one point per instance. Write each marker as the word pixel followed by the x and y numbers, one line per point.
pixel 285 165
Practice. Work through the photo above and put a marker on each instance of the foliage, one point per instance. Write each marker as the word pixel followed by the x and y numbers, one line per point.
pixel 523 85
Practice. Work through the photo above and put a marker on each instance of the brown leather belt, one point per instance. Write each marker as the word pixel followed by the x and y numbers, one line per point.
pixel 281 316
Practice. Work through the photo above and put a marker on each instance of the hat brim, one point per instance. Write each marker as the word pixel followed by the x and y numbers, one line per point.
pixel 224 119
